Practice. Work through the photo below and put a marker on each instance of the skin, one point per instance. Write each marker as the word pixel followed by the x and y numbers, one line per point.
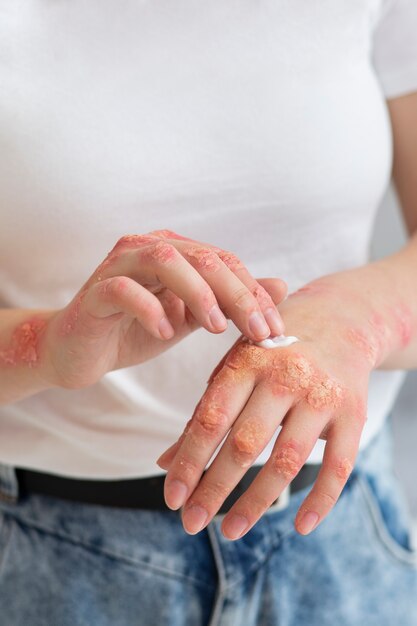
pixel 150 291
pixel 314 389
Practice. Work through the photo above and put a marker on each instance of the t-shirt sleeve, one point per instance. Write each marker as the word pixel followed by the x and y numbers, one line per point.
pixel 395 47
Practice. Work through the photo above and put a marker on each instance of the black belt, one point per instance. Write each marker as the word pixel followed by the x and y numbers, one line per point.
pixel 136 493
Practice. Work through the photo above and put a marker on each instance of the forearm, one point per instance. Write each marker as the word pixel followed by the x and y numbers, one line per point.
pixel 378 305
pixel 401 284
pixel 22 358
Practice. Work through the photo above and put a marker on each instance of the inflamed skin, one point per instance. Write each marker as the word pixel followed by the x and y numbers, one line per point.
pixel 347 324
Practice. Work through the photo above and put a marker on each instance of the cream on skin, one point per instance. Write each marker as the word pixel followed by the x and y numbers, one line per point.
pixel 280 341
pixel 314 387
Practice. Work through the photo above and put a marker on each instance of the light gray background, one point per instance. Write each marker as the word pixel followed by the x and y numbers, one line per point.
pixel 389 236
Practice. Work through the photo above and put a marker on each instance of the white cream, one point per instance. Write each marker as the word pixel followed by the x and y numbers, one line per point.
pixel 281 341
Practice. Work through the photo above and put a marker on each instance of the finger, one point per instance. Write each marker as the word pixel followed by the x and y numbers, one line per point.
pixel 244 300
pixel 167 457
pixel 121 294
pixel 157 263
pixel 213 417
pixel 249 435
pixel 276 288
pixel 222 362
pixel 189 271
pixel 297 438
pixel 339 456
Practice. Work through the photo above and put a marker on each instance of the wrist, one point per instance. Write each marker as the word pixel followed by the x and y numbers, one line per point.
pixel 23 359
pixel 362 308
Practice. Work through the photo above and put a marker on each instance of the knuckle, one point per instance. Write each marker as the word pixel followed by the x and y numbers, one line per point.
pixel 245 357
pixel 326 393
pixel 328 499
pixel 255 504
pixel 134 241
pixel 203 258
pixel 212 420
pixel 243 299
pixel 288 460
pixel 207 298
pixel 213 492
pixel 231 260
pixel 160 253
pixel 262 296
pixel 342 469
pixel 247 441
pixel 186 469
pixel 113 288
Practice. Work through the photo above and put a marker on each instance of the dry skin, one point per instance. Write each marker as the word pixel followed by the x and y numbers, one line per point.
pixel 24 344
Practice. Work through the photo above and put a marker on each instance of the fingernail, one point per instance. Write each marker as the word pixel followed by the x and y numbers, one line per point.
pixel 217 319
pixel 176 493
pixel 258 326
pixel 274 321
pixel 235 527
pixel 194 518
pixel 308 522
pixel 165 329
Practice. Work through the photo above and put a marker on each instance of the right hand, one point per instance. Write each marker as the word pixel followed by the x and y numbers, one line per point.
pixel 151 291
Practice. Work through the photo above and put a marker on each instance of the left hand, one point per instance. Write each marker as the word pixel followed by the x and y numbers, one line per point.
pixel 316 388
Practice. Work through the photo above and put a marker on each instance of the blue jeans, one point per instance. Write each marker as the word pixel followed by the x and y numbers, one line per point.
pixel 67 564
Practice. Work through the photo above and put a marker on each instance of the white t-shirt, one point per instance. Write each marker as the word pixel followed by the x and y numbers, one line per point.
pixel 260 127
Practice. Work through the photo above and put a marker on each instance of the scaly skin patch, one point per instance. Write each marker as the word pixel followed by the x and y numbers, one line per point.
pixel 211 419
pixel 344 469
pixel 128 242
pixel 249 436
pixel 230 259
pixel 160 252
pixel 246 357
pixel 205 259
pixel 293 371
pixel 325 393
pixel 288 372
pixel 110 260
pixel 262 296
pixel 288 461
pixel 366 344
pixel 24 344
pixel 134 241
pixel 71 315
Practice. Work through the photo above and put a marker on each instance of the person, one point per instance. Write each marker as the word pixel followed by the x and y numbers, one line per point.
pixel 206 145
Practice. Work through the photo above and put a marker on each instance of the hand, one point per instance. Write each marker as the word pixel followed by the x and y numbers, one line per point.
pixel 316 388
pixel 149 293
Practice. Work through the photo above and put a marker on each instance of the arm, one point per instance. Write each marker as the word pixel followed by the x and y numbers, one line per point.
pixel 150 292
pixel 349 323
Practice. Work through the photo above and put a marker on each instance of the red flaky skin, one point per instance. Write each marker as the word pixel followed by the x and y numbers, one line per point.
pixel 204 258
pixel 288 461
pixel 287 371
pixel 248 440
pixel 230 259
pixel 160 252
pixel 24 344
